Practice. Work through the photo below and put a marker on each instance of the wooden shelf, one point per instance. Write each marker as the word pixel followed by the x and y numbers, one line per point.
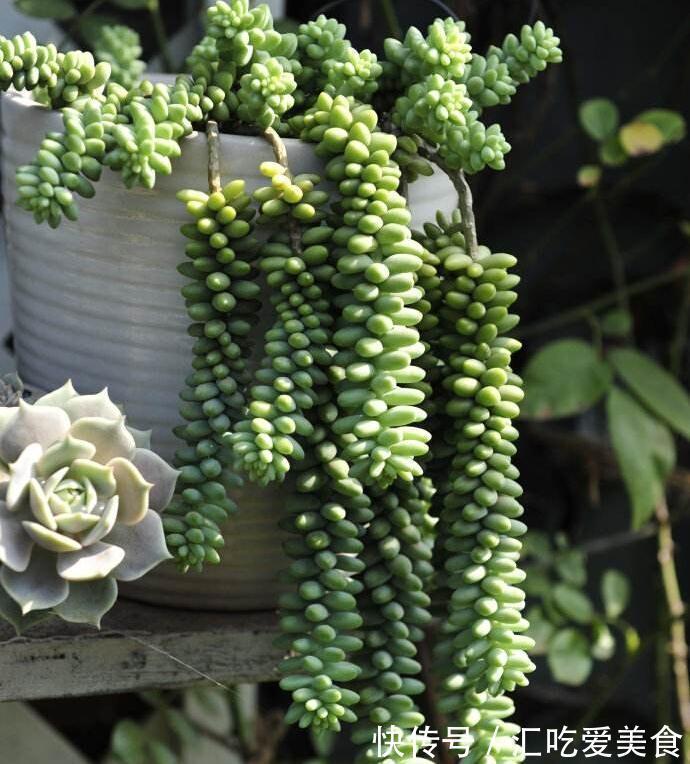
pixel 138 647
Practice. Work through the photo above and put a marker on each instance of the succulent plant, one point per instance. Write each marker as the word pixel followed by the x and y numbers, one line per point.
pixel 80 497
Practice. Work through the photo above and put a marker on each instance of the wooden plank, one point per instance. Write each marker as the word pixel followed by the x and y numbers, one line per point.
pixel 139 647
pixel 31 739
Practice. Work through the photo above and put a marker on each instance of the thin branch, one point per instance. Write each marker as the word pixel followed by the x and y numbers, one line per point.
pixel 594 306
pixel 465 202
pixel 213 156
pixel 281 156
pixel 391 19
pixel 680 335
pixel 273 731
pixel 161 36
pixel 613 250
pixel 677 638
pixel 438 720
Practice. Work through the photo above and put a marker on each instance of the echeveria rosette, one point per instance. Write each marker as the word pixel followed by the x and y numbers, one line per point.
pixel 80 502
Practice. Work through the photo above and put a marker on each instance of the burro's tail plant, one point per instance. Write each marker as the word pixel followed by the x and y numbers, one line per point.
pixel 384 395
pixel 80 501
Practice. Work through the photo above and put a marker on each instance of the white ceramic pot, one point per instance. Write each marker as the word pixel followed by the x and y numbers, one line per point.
pixel 98 301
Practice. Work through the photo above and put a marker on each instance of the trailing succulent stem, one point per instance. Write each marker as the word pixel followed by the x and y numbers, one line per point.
pixel 383 395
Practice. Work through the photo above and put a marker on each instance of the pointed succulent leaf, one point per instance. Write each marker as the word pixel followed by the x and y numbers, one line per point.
pixel 99 405
pixel 76 522
pixel 58 397
pixel 160 473
pixel 15 544
pixel 21 473
pixel 100 475
pixel 110 437
pixel 50 540
pixel 39 587
pixel 142 438
pixel 58 506
pixel 52 482
pixel 132 489
pixel 90 496
pixel 105 523
pixel 11 612
pixel 40 508
pixel 32 424
pixel 144 545
pixel 88 601
pixel 91 563
pixel 63 453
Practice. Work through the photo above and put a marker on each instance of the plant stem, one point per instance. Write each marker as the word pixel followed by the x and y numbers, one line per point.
pixel 676 607
pixel 469 225
pixel 680 336
pixel 94 6
pixel 438 720
pixel 613 251
pixel 161 36
pixel 281 156
pixel 465 202
pixel 593 306
pixel 391 19
pixel 213 156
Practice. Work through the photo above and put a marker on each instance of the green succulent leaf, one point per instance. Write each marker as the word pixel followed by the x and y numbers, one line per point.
pixel 655 387
pixel 11 612
pixel 88 601
pixel 569 657
pixel 644 449
pixel 599 118
pixel 615 593
pixel 564 378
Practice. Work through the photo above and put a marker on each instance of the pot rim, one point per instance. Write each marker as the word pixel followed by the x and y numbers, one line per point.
pixel 22 99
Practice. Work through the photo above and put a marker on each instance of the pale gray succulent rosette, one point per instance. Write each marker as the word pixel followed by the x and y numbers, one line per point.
pixel 80 500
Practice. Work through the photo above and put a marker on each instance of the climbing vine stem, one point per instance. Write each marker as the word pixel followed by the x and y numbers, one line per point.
pixel 678 646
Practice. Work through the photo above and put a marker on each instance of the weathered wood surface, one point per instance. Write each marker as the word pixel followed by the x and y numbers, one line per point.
pixel 138 647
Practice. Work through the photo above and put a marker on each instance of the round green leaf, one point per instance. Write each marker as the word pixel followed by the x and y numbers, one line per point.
pixel 573 603
pixel 640 139
pixel 670 123
pixel 599 118
pixel 589 175
pixel 616 323
pixel 47 9
pixel 603 642
pixel 615 593
pixel 564 378
pixel 571 567
pixel 611 153
pixel 569 658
